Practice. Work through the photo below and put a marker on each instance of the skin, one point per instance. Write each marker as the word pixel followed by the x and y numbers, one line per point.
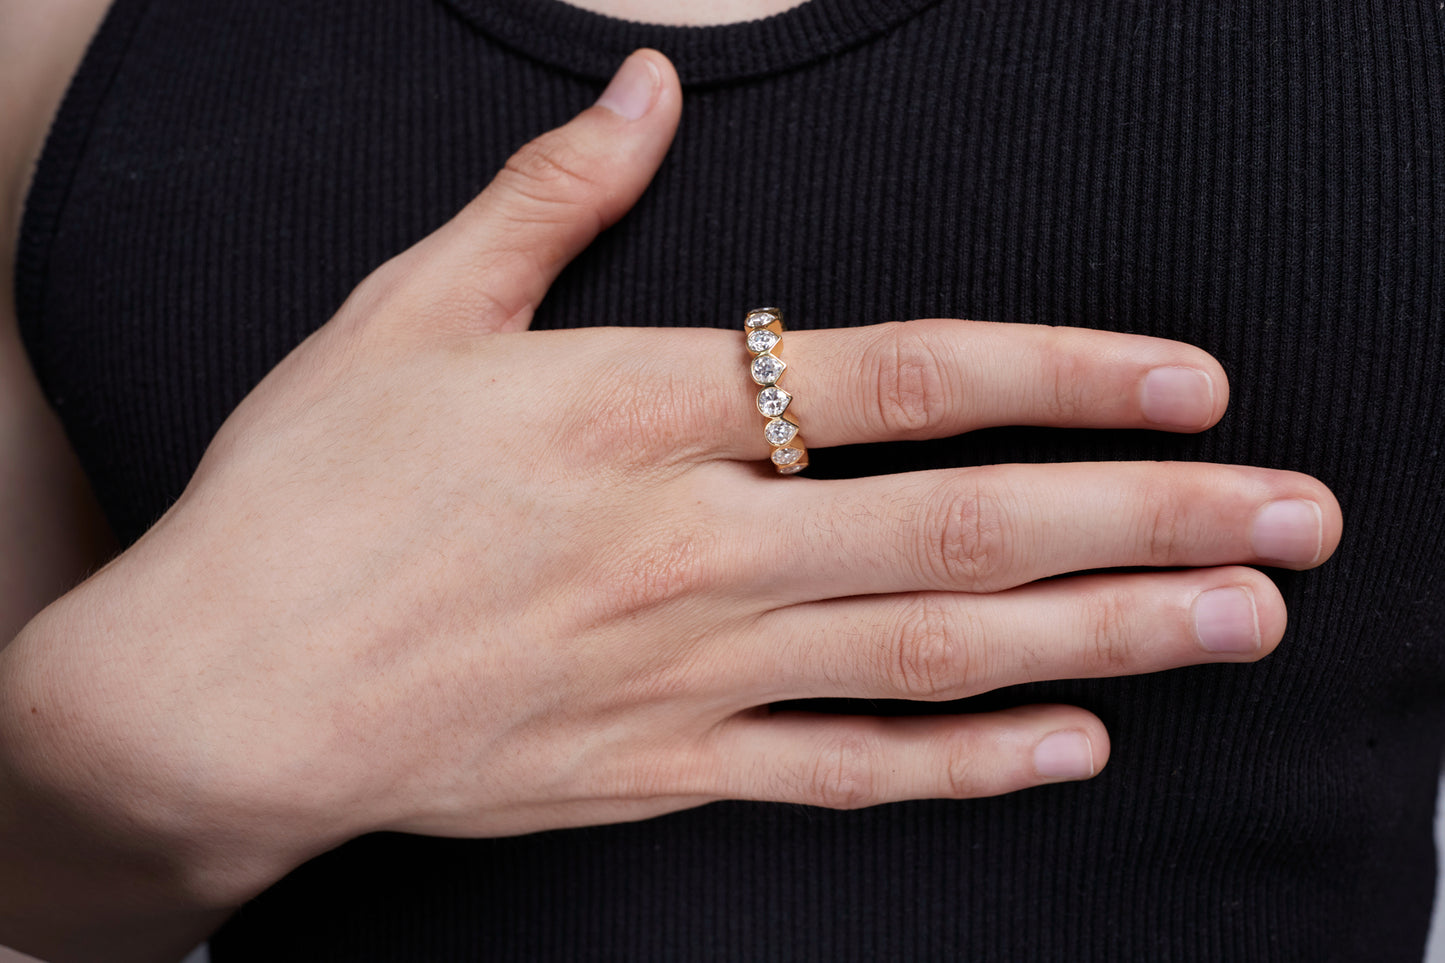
pixel 395 596
pixel 693 14
pixel 51 531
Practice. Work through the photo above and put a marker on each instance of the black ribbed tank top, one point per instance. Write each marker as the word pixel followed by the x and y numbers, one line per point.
pixel 1264 178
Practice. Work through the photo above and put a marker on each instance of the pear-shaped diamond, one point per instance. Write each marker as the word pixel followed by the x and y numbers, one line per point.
pixel 761 319
pixel 783 457
pixel 773 401
pixel 790 469
pixel 767 369
pixel 780 431
pixel 762 340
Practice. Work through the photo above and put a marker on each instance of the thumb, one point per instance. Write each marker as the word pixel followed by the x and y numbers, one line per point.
pixel 556 194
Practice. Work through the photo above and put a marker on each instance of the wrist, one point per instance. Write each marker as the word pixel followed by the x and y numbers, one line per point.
pixel 102 844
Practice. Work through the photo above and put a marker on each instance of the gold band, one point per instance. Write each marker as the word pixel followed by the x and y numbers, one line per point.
pixel 763 331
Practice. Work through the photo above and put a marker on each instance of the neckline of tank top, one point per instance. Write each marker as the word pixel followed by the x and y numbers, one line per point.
pixel 593 45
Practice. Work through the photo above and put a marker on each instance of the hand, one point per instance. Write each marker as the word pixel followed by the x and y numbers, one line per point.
pixel 441 574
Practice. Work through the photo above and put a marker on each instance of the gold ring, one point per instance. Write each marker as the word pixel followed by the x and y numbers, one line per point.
pixel 764 332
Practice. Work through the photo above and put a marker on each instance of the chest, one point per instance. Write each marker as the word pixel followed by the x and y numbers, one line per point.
pixel 1265 181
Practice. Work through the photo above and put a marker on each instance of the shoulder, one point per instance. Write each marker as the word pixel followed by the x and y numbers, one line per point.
pixel 41 45
pixel 51 532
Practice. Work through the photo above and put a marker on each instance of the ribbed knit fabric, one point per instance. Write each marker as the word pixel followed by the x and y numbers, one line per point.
pixel 1264 178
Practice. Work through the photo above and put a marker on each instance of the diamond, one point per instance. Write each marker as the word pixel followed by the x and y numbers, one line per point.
pixel 790 469
pixel 773 401
pixel 767 369
pixel 783 457
pixel 761 319
pixel 762 340
pixel 780 431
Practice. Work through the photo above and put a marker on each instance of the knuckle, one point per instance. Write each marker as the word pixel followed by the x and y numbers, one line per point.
pixel 658 421
pixel 969 522
pixel 410 288
pixel 669 570
pixel 928 659
pixel 487 300
pixel 910 389
pixel 370 309
pixel 1067 398
pixel 961 768
pixel 660 569
pixel 1163 525
pixel 380 286
pixel 650 775
pixel 845 775
pixel 656 685
pixel 697 770
pixel 1107 650
pixel 549 170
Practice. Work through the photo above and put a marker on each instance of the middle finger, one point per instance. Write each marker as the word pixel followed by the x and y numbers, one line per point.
pixel 994 527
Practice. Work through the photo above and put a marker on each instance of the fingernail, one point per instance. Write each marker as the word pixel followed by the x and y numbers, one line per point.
pixel 1225 620
pixel 1177 397
pixel 1291 530
pixel 1064 755
pixel 633 87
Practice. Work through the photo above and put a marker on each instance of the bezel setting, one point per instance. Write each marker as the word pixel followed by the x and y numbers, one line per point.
pixel 773 401
pixel 767 369
pixel 763 328
pixel 761 340
pixel 780 431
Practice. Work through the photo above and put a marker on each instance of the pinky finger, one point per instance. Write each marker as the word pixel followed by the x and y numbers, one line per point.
pixel 848 762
